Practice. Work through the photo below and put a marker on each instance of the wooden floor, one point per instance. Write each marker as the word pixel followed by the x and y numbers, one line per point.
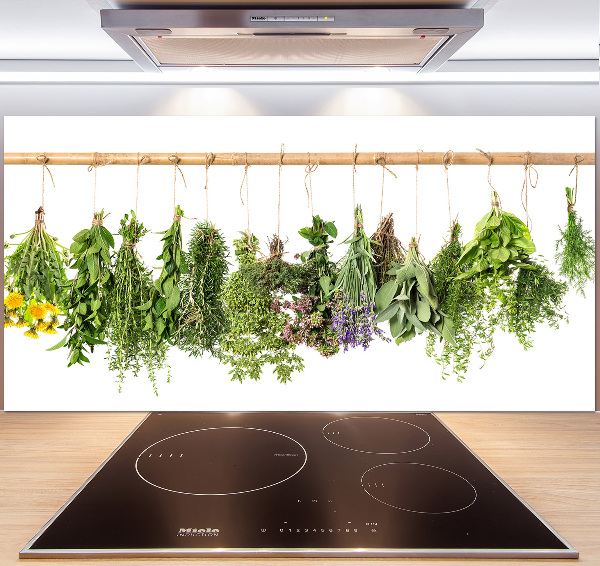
pixel 551 460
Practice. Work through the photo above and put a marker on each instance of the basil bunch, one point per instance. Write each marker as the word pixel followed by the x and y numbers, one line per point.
pixel 500 245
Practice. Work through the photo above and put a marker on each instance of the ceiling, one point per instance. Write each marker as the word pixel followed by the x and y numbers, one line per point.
pixel 515 30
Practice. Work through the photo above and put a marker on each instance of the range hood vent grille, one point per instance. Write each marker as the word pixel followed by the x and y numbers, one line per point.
pixel 415 39
pixel 290 51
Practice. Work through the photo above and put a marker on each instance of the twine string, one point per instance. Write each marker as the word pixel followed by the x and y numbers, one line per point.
pixel 494 194
pixel 44 160
pixel 245 179
pixel 309 169
pixel 281 152
pixel 209 160
pixel 379 159
pixel 576 160
pixel 419 151
pixel 140 161
pixel 354 155
pixel 527 182
pixel 174 159
pixel 447 162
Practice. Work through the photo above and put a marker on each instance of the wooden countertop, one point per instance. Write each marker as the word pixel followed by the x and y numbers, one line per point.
pixel 552 460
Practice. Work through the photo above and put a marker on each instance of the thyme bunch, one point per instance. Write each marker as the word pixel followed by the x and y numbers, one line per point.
pixel 129 346
pixel 575 249
pixel 255 333
pixel 202 320
pixel 466 302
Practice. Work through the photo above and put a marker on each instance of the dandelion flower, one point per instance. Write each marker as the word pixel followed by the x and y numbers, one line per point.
pixel 31 333
pixel 8 322
pixel 49 329
pixel 14 300
pixel 52 309
pixel 21 322
pixel 54 320
pixel 40 325
pixel 35 310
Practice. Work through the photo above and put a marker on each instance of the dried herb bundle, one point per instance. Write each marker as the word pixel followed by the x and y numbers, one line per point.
pixel 467 304
pixel 387 250
pixel 88 303
pixel 255 335
pixel 34 276
pixel 410 302
pixel 130 348
pixel 575 249
pixel 202 320
pixel 161 310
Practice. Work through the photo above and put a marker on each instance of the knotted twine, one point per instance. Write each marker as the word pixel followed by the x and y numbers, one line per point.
pixel 44 160
pixel 527 182
pixel 379 159
pixel 174 159
pixel 281 151
pixel 245 178
pixel 96 162
pixel 419 151
pixel 309 169
pixel 494 194
pixel 577 160
pixel 208 161
pixel 356 224
pixel 447 162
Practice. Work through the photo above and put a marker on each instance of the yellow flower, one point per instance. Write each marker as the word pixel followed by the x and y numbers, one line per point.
pixel 50 329
pixel 35 310
pixel 8 322
pixel 54 320
pixel 52 309
pixel 31 333
pixel 14 300
pixel 40 325
pixel 21 322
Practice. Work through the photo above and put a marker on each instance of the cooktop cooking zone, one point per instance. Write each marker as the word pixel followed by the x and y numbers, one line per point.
pixel 295 484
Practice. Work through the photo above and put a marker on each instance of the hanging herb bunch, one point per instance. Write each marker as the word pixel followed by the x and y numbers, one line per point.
pixel 34 276
pixel 310 320
pixel 575 249
pixel 499 256
pixel 410 303
pixel 129 346
pixel 353 301
pixel 467 304
pixel 202 321
pixel 161 313
pixel 254 338
pixel 88 301
pixel 387 250
pixel 275 275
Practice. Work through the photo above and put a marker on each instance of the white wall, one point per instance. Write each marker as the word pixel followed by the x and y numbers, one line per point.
pixel 541 379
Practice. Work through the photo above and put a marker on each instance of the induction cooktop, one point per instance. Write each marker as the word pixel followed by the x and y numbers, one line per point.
pixel 295 484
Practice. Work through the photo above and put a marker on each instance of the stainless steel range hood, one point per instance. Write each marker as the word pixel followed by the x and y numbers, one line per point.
pixel 174 39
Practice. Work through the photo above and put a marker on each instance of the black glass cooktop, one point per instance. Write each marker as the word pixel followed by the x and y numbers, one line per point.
pixel 295 484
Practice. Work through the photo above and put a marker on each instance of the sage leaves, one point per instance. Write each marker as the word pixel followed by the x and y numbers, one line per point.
pixel 409 302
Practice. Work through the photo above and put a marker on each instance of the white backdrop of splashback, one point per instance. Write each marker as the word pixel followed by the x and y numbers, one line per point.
pixel 556 374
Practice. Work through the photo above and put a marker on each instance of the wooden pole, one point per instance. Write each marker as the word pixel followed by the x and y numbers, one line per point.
pixel 363 158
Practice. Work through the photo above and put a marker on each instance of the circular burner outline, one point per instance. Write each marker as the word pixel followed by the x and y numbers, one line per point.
pixel 221 428
pixel 412 510
pixel 383 419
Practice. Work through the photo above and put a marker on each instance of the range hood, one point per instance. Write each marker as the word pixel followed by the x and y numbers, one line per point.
pixel 416 40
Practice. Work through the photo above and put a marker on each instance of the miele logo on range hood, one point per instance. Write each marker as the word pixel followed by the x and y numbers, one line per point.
pixel 411 39
pixel 193 532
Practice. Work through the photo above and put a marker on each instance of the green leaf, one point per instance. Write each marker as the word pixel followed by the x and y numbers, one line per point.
pixel 385 295
pixel 331 229
pixel 325 283
pixel 92 265
pixel 81 236
pixel 173 299
pixel 482 223
pixel 388 312
pixel 493 222
pixel 107 236
pixel 59 345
